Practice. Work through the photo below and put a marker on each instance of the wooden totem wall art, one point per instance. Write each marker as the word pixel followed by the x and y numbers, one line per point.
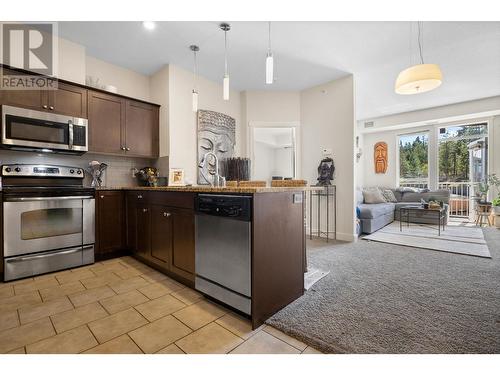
pixel 380 157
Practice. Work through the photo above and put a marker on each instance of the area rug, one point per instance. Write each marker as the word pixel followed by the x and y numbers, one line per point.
pixel 459 240
pixel 385 298
pixel 312 276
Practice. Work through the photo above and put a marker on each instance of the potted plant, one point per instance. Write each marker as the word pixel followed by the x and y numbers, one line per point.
pixel 482 192
pixel 495 182
pixel 496 205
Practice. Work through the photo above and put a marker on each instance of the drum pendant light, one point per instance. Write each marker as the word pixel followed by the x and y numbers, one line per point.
pixel 421 77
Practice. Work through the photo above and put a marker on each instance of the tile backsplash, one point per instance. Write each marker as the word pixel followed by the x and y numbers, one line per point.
pixel 118 173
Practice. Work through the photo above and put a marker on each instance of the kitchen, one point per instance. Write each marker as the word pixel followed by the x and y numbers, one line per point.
pixel 229 243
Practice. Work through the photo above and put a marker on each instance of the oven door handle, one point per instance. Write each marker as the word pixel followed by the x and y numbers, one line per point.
pixel 37 199
pixel 46 255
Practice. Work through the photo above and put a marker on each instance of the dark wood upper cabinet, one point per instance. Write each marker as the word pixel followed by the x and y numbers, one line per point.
pixel 122 127
pixel 141 129
pixel 106 121
pixel 31 99
pixel 118 125
pixel 68 100
pixel 183 250
pixel 109 221
pixel 161 234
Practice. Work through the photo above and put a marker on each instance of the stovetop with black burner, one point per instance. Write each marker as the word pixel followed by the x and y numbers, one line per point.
pixel 29 180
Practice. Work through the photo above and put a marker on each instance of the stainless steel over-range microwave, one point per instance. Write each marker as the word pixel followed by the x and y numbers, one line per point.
pixel 26 129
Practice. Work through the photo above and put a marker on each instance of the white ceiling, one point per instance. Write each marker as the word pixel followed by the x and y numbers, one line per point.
pixel 310 53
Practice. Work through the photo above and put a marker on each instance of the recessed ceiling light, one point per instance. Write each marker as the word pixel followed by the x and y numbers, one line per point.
pixel 149 25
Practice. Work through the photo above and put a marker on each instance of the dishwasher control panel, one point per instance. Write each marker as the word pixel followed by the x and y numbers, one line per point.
pixel 238 207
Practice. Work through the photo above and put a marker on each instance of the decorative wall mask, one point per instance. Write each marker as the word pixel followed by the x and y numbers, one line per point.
pixel 380 157
pixel 326 169
pixel 216 133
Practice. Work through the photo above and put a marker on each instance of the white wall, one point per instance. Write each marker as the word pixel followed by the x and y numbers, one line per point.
pixel 283 165
pixel 128 82
pixel 328 121
pixel 272 106
pixel 71 61
pixel 263 162
pixel 182 123
pixel 159 92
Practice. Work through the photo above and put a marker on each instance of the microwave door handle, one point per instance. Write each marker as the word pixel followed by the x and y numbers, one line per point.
pixel 70 129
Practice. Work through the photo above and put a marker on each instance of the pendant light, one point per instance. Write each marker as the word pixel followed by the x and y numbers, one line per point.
pixel 195 49
pixel 269 61
pixel 421 77
pixel 225 82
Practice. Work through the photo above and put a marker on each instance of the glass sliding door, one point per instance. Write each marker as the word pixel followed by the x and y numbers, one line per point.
pixel 414 160
pixel 462 164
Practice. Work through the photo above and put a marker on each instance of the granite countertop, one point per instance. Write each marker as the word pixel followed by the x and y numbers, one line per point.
pixel 209 189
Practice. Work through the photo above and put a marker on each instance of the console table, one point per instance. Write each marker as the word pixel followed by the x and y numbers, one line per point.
pixel 323 199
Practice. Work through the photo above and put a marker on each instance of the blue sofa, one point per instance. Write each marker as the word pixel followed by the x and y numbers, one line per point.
pixel 376 216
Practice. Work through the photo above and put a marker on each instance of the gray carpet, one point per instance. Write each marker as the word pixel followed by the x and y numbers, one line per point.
pixel 383 298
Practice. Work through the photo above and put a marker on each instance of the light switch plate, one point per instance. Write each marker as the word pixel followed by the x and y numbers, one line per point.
pixel 297 198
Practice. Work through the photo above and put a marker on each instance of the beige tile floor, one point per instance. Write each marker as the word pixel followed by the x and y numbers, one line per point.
pixel 124 306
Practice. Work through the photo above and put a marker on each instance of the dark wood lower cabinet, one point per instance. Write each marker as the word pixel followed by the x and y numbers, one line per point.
pixel 110 211
pixel 143 231
pixel 160 233
pixel 182 259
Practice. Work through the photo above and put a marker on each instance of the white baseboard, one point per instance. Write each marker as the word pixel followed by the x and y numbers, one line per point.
pixel 340 236
pixel 349 237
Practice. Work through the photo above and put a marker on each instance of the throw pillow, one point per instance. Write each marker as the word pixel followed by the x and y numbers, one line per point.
pixel 389 196
pixel 373 196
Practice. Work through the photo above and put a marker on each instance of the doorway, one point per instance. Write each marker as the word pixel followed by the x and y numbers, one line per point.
pixel 273 151
pixel 462 165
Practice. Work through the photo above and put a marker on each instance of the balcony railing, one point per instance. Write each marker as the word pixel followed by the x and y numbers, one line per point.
pixel 461 195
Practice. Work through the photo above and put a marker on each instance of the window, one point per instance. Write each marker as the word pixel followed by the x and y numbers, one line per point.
pixel 414 160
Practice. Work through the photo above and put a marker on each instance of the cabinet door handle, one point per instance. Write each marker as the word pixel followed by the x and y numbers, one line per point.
pixel 144 210
pixel 102 196
pixel 167 214
pixel 127 148
pixel 44 106
pixel 139 196
pixel 51 108
pixel 123 148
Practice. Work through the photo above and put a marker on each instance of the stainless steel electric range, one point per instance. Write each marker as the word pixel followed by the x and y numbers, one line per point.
pixel 48 219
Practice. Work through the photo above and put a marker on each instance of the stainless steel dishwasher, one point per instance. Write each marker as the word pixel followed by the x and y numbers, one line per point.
pixel 223 248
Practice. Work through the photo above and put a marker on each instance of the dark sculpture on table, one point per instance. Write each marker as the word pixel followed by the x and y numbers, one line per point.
pixel 326 169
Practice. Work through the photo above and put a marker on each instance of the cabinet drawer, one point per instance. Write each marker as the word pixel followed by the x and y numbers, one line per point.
pixel 138 196
pixel 172 199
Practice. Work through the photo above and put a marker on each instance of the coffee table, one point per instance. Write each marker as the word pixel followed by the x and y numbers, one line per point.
pixel 440 215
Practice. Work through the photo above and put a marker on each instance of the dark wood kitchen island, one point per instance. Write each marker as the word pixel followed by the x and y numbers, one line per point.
pixel 157 226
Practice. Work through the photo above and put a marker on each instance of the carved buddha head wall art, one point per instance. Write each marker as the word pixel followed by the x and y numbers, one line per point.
pixel 380 157
pixel 217 134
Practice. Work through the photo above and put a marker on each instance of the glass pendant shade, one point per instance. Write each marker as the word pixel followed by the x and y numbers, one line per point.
pixel 269 69
pixel 225 87
pixel 418 78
